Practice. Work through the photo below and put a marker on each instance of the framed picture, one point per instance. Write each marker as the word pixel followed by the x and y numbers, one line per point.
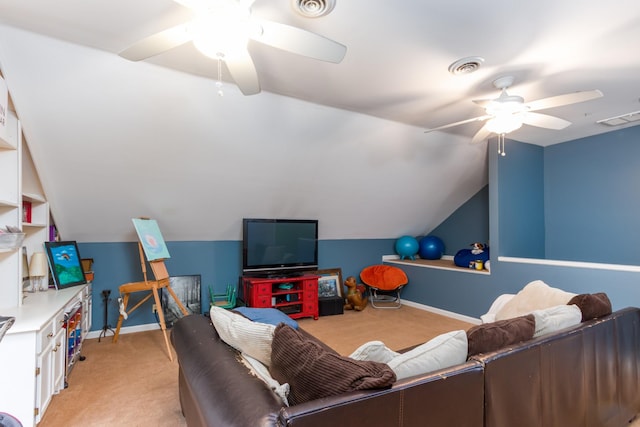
pixel 187 289
pixel 330 282
pixel 64 263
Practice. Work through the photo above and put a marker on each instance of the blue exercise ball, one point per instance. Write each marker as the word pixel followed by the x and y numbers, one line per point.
pixel 407 247
pixel 431 247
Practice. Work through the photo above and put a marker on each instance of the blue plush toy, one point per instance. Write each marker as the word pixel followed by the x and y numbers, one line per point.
pixel 468 257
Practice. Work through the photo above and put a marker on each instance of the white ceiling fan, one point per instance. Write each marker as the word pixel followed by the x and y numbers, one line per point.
pixel 507 113
pixel 221 29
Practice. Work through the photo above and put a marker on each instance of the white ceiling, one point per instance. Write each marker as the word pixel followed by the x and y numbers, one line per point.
pixel 160 143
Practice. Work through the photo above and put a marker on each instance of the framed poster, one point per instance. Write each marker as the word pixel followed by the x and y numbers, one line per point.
pixel 151 239
pixel 187 289
pixel 330 282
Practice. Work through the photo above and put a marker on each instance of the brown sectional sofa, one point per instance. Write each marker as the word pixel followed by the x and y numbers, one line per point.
pixel 587 375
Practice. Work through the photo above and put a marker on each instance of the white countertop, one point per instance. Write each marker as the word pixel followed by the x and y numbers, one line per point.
pixel 40 307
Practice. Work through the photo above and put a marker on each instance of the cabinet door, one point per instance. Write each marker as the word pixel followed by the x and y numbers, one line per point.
pixel 44 380
pixel 59 360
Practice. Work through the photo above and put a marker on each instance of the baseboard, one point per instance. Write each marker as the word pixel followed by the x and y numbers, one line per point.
pixel 125 330
pixel 442 312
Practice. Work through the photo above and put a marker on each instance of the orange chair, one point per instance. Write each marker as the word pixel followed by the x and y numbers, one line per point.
pixel 386 283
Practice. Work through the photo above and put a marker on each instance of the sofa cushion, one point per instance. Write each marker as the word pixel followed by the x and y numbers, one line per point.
pixel 262 372
pixel 535 295
pixel 374 351
pixel 493 336
pixel 553 319
pixel 441 352
pixel 592 305
pixel 314 372
pixel 246 336
pixel 272 316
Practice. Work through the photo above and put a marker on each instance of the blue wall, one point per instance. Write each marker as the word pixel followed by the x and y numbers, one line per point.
pixel 467 225
pixel 521 188
pixel 219 263
pixel 591 198
pixel 516 200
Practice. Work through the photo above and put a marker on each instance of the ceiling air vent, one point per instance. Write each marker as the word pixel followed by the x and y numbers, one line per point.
pixel 466 65
pixel 621 120
pixel 313 8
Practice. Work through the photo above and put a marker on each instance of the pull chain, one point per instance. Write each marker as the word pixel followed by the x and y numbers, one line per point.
pixel 501 144
pixel 219 82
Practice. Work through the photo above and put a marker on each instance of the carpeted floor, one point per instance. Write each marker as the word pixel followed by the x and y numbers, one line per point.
pixel 133 383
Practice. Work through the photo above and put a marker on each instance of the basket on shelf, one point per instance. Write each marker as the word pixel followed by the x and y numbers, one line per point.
pixel 11 240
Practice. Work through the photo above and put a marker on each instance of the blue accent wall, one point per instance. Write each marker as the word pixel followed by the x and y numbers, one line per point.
pixel 467 225
pixel 532 193
pixel 521 209
pixel 592 199
pixel 219 263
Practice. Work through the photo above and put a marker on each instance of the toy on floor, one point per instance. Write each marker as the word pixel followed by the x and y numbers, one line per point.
pixel 355 300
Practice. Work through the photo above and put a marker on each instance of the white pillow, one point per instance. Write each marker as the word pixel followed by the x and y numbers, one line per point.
pixel 490 316
pixel 374 351
pixel 262 372
pixel 535 295
pixel 553 319
pixel 445 350
pixel 246 336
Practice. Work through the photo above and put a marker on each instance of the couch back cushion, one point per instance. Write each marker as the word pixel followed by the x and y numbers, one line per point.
pixel 313 372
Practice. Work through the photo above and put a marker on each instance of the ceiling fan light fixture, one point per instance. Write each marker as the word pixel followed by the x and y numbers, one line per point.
pixel 505 123
pixel 313 8
pixel 222 31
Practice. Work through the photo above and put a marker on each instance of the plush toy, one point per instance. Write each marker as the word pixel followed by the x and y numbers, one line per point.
pixel 354 300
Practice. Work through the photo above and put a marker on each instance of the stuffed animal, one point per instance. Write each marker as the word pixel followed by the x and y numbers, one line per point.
pixel 477 248
pixel 354 300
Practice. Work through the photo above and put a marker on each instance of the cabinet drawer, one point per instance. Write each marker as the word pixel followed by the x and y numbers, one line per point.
pixel 45 336
pixel 262 289
pixel 310 285
pixel 58 322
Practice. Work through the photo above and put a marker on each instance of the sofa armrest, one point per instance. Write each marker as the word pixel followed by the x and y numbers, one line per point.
pixel 220 391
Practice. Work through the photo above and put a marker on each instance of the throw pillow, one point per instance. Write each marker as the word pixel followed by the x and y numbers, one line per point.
pixel 496 335
pixel 246 336
pixel 553 319
pixel 272 316
pixel 314 372
pixel 374 351
pixel 535 295
pixel 592 305
pixel 441 352
pixel 262 372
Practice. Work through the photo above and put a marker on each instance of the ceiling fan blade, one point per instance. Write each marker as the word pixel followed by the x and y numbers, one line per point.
pixel 482 102
pixel 157 43
pixel 300 42
pixel 566 99
pixel 244 73
pixel 450 125
pixel 481 135
pixel 545 121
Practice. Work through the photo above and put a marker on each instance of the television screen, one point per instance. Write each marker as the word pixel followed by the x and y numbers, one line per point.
pixel 65 264
pixel 279 245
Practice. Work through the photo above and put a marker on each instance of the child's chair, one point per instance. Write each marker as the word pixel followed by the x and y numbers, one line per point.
pixel 226 300
pixel 386 282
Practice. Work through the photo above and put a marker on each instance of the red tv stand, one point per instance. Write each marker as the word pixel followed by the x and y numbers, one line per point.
pixel 295 296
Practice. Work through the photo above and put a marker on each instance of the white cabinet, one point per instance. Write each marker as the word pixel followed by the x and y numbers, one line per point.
pixel 33 352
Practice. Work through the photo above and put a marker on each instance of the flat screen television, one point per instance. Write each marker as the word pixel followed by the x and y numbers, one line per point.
pixel 65 264
pixel 279 246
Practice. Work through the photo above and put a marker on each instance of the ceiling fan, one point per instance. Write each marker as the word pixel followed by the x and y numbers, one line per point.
pixel 221 29
pixel 507 113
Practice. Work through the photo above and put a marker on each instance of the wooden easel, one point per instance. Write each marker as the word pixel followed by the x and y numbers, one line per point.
pixel 152 286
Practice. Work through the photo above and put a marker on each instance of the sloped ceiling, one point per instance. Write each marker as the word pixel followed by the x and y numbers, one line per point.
pixel 343 143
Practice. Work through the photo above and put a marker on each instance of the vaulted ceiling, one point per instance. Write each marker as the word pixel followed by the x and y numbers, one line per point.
pixel 114 139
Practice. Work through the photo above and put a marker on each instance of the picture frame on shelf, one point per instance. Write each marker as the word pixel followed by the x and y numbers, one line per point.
pixel 330 278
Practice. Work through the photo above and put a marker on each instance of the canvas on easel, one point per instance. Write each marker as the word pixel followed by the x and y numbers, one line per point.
pixel 151 239
pixel 150 244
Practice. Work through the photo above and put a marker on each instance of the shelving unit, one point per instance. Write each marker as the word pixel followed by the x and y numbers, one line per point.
pixel 295 296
